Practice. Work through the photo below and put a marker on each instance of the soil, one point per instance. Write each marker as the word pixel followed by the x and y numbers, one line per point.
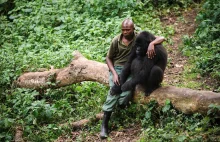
pixel 183 25
pixel 177 62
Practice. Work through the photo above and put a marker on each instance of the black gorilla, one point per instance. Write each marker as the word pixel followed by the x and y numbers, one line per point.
pixel 145 71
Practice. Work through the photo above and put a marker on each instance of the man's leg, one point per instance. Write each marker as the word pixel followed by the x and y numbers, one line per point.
pixel 109 106
pixel 104 127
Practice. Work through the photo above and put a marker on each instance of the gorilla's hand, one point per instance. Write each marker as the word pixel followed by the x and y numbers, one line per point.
pixel 127 86
pixel 116 90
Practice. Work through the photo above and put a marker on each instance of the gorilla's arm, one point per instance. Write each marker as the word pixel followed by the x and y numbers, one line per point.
pixel 151 48
pixel 130 85
pixel 161 56
pixel 126 71
pixel 116 89
pixel 142 72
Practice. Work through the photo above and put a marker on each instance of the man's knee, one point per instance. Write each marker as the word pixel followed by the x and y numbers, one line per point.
pixel 125 98
pixel 110 102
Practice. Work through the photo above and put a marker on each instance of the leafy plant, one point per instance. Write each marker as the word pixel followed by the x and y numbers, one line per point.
pixel 205 55
pixel 172 125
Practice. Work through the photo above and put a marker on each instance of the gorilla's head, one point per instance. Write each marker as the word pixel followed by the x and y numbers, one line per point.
pixel 141 50
pixel 142 42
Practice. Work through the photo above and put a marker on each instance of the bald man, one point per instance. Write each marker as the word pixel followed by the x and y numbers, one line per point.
pixel 117 56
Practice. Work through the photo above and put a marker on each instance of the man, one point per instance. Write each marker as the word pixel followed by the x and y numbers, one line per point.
pixel 117 56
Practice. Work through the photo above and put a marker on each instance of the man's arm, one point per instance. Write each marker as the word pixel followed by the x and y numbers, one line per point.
pixel 151 52
pixel 112 69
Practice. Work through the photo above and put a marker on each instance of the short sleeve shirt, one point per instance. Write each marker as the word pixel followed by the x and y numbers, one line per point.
pixel 119 52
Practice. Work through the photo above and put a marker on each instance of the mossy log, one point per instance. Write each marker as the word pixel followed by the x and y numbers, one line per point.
pixel 81 69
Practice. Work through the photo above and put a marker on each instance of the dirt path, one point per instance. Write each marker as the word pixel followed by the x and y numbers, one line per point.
pixel 183 25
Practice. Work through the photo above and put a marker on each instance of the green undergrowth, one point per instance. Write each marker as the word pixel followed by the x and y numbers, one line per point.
pixel 162 123
pixel 167 124
pixel 203 47
pixel 38 34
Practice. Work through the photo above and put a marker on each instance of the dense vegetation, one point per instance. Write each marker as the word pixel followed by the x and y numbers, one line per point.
pixel 203 48
pixel 39 34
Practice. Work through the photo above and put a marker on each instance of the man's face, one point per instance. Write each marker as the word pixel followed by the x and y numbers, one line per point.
pixel 127 30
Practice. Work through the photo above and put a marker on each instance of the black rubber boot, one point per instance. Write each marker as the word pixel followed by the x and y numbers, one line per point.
pixel 104 128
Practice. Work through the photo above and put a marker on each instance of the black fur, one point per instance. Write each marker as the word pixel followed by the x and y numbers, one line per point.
pixel 145 71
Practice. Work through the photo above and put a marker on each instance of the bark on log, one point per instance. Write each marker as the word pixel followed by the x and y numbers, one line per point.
pixel 18 134
pixel 82 69
pixel 183 99
pixel 83 122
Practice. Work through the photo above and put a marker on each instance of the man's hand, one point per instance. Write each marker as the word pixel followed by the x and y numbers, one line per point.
pixel 150 51
pixel 116 89
pixel 116 79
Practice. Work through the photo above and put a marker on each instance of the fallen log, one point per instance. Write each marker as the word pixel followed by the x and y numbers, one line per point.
pixel 183 99
pixel 81 69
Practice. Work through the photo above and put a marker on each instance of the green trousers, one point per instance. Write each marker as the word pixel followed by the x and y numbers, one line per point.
pixel 121 99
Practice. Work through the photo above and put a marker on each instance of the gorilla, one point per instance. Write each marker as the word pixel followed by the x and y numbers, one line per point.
pixel 143 70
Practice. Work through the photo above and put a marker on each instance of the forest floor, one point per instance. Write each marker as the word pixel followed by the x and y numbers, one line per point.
pixel 183 25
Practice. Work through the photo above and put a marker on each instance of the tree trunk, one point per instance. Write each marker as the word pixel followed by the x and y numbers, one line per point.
pixel 183 99
pixel 82 69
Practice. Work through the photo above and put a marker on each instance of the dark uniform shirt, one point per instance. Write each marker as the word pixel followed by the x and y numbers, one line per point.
pixel 118 51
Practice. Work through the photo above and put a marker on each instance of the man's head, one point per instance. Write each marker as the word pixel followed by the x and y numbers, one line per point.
pixel 127 28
